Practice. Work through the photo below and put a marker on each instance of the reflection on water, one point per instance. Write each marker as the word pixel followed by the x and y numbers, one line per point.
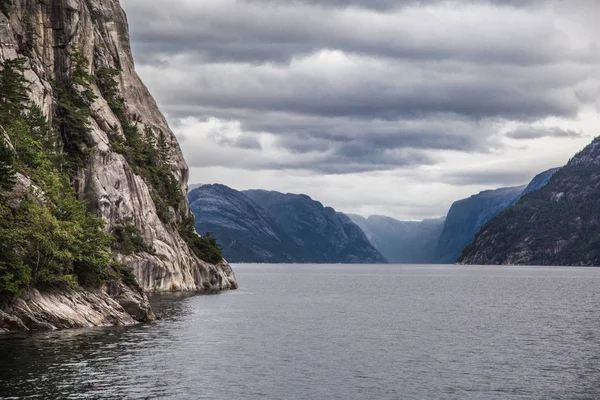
pixel 342 332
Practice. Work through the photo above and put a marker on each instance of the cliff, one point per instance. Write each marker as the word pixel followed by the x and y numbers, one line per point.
pixel 402 242
pixel 122 159
pixel 558 224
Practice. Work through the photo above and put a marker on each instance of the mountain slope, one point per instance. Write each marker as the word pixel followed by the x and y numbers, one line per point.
pixel 467 216
pixel 558 224
pixel 538 182
pixel 324 235
pixel 261 226
pixel 245 230
pixel 402 242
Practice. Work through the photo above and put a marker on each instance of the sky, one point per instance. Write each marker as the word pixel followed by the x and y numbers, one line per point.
pixel 386 107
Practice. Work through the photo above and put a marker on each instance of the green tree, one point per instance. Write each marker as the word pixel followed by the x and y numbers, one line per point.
pixel 163 148
pixel 73 114
pixel 13 90
pixel 8 173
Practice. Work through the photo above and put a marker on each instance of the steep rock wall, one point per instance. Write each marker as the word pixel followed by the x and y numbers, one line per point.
pixel 48 34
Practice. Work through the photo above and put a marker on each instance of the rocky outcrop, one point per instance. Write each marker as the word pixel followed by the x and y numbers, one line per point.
pixel 114 304
pixel 49 34
pixel 558 224
pixel 402 242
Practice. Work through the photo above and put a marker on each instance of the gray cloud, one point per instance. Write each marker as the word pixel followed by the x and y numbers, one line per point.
pixel 244 142
pixel 490 178
pixel 536 133
pixel 367 88
pixel 398 4
pixel 250 31
pixel 356 86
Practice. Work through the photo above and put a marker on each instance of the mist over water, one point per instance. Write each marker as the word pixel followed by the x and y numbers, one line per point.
pixel 336 332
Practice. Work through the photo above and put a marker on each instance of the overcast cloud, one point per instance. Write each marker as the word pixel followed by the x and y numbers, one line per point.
pixel 381 106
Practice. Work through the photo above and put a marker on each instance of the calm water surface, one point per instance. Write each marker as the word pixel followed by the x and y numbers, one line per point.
pixel 336 332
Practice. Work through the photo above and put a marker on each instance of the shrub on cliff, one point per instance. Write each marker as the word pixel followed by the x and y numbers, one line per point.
pixel 47 236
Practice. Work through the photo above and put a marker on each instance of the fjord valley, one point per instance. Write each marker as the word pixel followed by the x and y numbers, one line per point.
pixel 399 187
pixel 272 227
pixel 93 183
pixel 402 242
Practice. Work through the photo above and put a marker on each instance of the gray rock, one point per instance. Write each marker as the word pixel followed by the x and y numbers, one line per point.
pixel 65 307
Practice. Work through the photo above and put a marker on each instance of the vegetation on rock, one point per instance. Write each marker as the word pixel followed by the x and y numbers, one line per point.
pixel 47 236
pixel 148 154
pixel 127 240
pixel 205 247
pixel 556 225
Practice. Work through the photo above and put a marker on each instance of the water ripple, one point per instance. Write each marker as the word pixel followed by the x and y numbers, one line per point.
pixel 336 332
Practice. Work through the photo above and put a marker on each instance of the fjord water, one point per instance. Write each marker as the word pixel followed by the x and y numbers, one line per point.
pixel 336 332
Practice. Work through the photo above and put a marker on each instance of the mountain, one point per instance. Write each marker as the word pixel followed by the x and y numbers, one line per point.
pixel 538 182
pixel 93 185
pixel 467 216
pixel 326 236
pixel 246 231
pixel 402 242
pixel 558 224
pixel 261 226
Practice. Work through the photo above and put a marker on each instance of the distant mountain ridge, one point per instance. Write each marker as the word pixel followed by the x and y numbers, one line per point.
pixel 262 226
pixel 466 217
pixel 243 228
pixel 402 242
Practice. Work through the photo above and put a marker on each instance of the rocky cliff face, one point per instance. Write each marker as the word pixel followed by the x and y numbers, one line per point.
pixel 50 35
pixel 466 217
pixel 558 224
pixel 402 242
pixel 113 304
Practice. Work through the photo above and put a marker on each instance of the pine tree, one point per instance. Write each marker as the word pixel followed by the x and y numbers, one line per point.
pixel 13 90
pixel 8 174
pixel 163 148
